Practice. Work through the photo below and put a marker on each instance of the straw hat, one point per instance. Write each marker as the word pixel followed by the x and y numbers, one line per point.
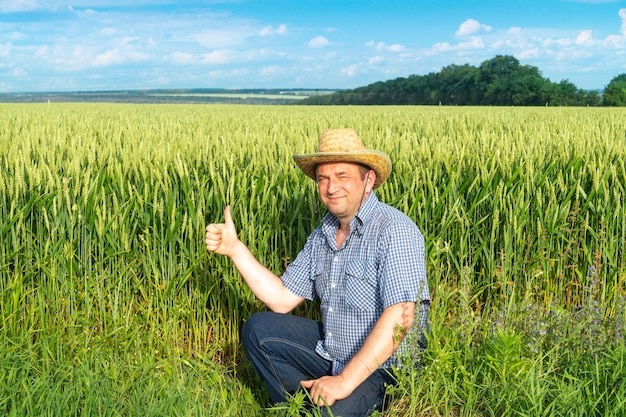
pixel 344 145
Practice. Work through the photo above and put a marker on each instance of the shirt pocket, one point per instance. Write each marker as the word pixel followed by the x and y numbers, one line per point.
pixel 321 282
pixel 361 286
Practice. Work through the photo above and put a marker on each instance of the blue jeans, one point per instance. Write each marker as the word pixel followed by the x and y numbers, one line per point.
pixel 281 348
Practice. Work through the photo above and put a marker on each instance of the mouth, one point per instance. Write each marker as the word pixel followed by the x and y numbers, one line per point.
pixel 334 198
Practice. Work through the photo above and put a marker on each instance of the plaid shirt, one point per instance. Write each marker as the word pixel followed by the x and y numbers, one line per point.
pixel 380 263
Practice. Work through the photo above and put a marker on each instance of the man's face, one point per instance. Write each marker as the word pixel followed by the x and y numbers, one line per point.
pixel 343 186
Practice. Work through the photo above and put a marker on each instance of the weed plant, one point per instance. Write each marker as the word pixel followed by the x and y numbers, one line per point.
pixel 519 360
pixel 110 304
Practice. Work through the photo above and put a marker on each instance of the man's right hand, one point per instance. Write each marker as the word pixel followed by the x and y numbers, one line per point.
pixel 222 237
pixel 267 286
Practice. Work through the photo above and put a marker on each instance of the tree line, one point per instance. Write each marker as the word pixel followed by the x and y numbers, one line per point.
pixel 500 81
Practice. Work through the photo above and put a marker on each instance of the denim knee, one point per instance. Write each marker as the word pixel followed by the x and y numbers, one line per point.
pixel 249 330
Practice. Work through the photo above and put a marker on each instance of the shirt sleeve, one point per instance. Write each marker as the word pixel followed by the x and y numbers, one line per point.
pixel 402 271
pixel 298 277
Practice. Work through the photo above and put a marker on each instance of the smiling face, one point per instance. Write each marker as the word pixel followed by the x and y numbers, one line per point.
pixel 343 186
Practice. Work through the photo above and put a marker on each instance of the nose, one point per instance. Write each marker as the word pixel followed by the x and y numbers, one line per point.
pixel 331 186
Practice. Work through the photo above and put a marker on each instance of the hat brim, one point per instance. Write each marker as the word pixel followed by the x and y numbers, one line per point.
pixel 376 160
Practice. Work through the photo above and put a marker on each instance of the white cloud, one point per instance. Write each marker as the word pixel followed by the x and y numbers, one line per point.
pixel 42 51
pixel 219 57
pixel 18 73
pixel 109 57
pixel 77 43
pixel 476 42
pixel 396 47
pixel 584 38
pixel 471 27
pixel 10 6
pixel 127 40
pixel 14 36
pixel 571 55
pixel 563 42
pixel 528 53
pixel 530 44
pixel 108 31
pixel 393 48
pixel 382 46
pixel 615 40
pixel 318 42
pixel 269 30
pixel 82 13
pixel 330 56
pixel 5 49
pixel 182 58
pixel 230 37
pixel 350 71
pixel 116 57
pixel 271 70
pixel 440 47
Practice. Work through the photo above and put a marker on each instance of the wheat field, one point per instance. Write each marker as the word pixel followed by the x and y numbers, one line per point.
pixel 110 304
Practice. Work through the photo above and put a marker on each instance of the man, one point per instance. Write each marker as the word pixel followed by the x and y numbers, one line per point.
pixel 366 264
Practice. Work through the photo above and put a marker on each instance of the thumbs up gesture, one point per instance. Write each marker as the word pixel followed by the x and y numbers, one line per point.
pixel 221 238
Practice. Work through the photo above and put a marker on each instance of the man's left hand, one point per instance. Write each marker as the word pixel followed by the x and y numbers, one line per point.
pixel 327 389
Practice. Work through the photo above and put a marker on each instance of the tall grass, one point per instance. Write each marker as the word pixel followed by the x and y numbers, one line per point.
pixel 110 304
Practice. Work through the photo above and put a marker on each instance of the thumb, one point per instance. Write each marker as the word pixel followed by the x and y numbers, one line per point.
pixel 307 384
pixel 228 218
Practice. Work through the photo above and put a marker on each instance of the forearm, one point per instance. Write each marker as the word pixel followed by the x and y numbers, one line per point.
pixel 265 285
pixel 381 343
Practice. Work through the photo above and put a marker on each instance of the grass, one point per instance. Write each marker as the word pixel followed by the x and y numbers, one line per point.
pixel 110 304
pixel 521 360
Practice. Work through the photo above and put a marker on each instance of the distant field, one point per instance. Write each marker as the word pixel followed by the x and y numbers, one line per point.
pixel 215 96
pixel 110 304
pixel 235 95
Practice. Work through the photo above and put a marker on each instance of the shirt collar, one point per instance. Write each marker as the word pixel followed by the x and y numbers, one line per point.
pixel 363 215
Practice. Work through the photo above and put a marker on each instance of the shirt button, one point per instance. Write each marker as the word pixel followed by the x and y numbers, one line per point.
pixel 330 309
pixel 333 285
pixel 329 334
pixel 336 259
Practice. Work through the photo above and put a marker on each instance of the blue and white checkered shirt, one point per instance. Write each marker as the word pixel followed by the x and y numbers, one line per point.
pixel 380 263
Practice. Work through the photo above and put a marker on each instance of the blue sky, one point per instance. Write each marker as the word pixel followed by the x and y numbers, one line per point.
pixel 85 45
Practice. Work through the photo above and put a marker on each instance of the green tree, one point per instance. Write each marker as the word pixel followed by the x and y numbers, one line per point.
pixel 504 81
pixel 458 85
pixel 590 98
pixel 564 93
pixel 500 81
pixel 615 91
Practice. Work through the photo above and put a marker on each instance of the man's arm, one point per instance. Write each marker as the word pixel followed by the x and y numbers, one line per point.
pixel 268 287
pixel 381 343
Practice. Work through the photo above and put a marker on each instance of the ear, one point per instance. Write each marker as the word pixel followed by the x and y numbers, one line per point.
pixel 370 180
